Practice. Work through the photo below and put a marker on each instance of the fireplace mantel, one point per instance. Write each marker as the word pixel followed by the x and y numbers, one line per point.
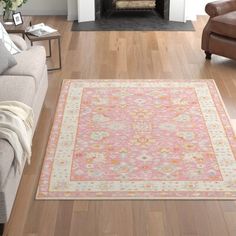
pixel 180 10
pixel 86 10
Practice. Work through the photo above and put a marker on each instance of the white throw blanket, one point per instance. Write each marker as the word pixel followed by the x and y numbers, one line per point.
pixel 16 126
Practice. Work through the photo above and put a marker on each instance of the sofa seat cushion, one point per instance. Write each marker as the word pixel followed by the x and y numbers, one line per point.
pixel 30 63
pixel 17 88
pixel 225 25
pixel 6 161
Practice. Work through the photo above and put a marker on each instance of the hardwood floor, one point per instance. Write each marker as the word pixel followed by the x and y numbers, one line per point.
pixel 124 55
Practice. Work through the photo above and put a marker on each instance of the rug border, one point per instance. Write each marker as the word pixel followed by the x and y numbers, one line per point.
pixel 134 198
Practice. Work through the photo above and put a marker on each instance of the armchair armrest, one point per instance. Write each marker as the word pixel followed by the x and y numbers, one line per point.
pixel 19 42
pixel 220 7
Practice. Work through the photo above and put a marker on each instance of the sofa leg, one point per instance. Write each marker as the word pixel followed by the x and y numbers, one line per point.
pixel 208 55
pixel 1 229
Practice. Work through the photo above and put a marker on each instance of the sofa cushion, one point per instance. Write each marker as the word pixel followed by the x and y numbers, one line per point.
pixel 30 63
pixel 19 41
pixel 4 36
pixel 6 160
pixel 17 88
pixel 6 59
pixel 225 24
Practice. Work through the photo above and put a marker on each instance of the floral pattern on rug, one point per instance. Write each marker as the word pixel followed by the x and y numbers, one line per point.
pixel 139 140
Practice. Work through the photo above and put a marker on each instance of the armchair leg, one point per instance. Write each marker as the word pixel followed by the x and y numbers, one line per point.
pixel 1 229
pixel 208 55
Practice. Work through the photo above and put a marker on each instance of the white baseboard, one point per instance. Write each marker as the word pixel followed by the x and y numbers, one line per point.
pixel 44 12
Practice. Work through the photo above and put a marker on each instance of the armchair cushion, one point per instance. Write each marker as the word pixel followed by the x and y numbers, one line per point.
pixel 225 25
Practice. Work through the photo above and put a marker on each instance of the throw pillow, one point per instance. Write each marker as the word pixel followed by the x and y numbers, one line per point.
pixel 11 47
pixel 6 59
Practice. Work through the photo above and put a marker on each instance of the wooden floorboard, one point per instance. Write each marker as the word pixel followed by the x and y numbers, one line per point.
pixel 124 55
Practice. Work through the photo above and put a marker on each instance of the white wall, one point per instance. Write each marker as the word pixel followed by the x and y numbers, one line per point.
pixel 44 7
pixel 177 10
pixel 194 8
pixel 86 10
pixel 190 9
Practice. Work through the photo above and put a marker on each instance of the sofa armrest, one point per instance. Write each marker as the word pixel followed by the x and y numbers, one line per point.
pixel 19 41
pixel 30 62
pixel 220 7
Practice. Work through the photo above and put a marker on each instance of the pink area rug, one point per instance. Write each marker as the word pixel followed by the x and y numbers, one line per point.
pixel 139 140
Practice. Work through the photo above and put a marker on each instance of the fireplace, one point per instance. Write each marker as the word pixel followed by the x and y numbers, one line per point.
pixel 103 7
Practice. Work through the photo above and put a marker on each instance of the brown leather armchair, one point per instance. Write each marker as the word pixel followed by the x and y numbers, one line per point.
pixel 219 35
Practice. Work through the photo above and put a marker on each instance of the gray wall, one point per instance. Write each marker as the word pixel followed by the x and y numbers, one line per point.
pixel 72 9
pixel 44 7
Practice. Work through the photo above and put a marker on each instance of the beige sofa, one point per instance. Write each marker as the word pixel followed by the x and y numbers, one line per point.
pixel 26 82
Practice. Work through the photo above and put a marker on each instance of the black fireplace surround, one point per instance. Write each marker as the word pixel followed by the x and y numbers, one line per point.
pixel 104 6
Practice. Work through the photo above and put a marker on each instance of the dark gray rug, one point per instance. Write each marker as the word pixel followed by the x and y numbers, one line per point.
pixel 133 21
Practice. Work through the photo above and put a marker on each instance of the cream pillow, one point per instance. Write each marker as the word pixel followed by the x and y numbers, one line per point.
pixel 11 47
pixel 6 59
